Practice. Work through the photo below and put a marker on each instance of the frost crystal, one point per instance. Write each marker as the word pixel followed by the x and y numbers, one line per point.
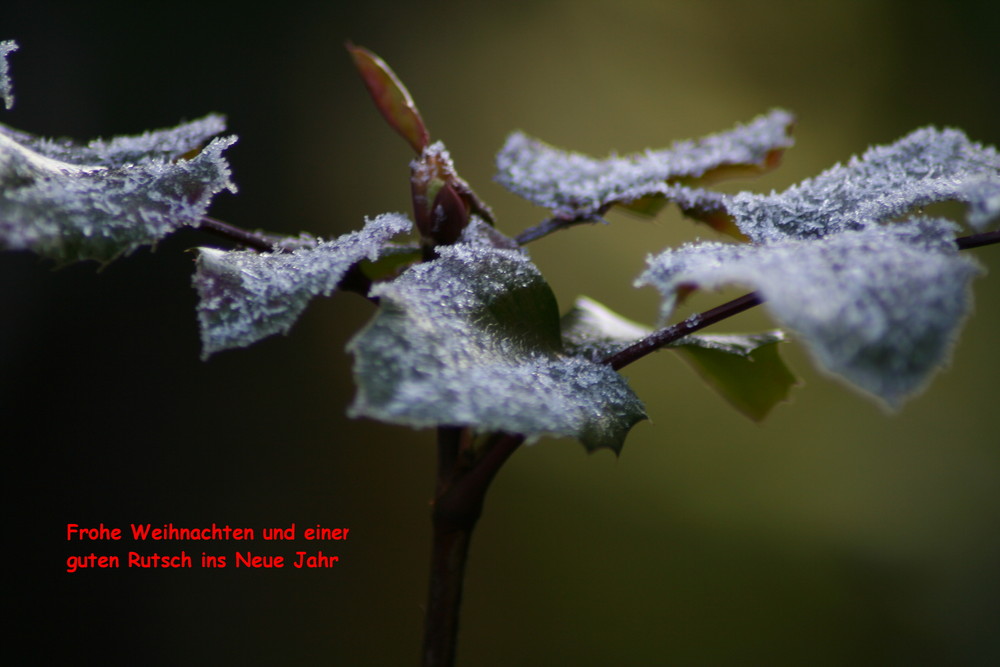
pixel 472 339
pixel 165 145
pixel 6 85
pixel 879 306
pixel 577 187
pixel 98 201
pixel 246 296
pixel 927 166
pixel 478 232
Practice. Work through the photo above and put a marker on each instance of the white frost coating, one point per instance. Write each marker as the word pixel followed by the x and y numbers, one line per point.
pixel 69 203
pixel 246 296
pixel 10 150
pixel 742 345
pixel 926 166
pixel 577 187
pixel 479 232
pixel 166 145
pixel 983 198
pixel 879 306
pixel 472 339
pixel 6 85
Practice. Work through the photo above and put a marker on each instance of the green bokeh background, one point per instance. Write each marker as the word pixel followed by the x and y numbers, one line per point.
pixel 834 533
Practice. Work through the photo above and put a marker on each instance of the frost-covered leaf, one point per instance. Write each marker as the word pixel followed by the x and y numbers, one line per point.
pixel 6 85
pixel 391 97
pixel 925 167
pixel 745 369
pixel 472 339
pixel 578 187
pixel 246 296
pixel 165 145
pixel 69 202
pixel 879 306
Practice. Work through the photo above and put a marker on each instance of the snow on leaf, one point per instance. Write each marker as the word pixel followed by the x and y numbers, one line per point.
pixel 246 296
pixel 925 167
pixel 166 145
pixel 6 85
pixel 69 202
pixel 879 306
pixel 479 232
pixel 577 187
pixel 472 339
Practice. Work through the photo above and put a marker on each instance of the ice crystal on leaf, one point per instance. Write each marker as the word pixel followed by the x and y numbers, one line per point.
pixel 6 86
pixel 926 166
pixel 472 339
pixel 577 187
pixel 167 145
pixel 69 202
pixel 246 296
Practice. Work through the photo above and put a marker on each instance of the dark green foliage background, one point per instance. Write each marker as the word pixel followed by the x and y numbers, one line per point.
pixel 831 534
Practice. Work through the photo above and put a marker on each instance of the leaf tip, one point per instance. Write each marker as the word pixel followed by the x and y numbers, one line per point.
pixel 391 97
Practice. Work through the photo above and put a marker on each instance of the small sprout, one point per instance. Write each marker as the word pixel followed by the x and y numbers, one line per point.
pixel 391 97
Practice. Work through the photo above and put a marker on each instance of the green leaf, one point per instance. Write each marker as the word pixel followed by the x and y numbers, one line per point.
pixel 245 296
pixel 745 369
pixel 391 97
pixel 472 339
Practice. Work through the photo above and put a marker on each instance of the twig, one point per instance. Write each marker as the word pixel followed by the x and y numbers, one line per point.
pixel 234 233
pixel 978 240
pixel 460 492
pixel 551 225
pixel 658 339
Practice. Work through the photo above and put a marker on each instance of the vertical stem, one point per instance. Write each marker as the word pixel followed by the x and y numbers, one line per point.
pixel 459 494
pixel 444 598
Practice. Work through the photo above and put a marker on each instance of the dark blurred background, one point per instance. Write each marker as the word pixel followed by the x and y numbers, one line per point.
pixel 834 533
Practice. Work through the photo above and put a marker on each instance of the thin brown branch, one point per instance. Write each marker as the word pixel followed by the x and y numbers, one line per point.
pixel 978 240
pixel 547 227
pixel 253 240
pixel 659 339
